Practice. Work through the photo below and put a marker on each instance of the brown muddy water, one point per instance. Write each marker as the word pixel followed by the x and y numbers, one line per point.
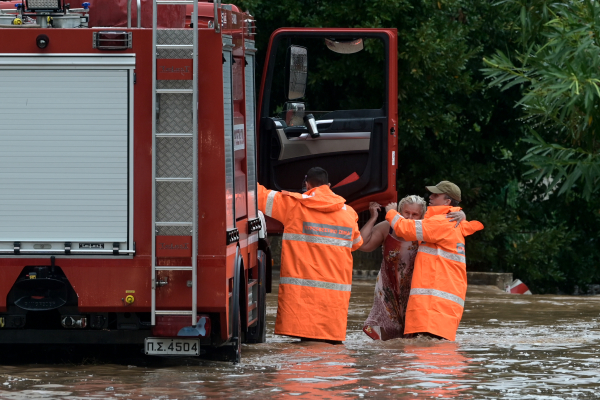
pixel 508 347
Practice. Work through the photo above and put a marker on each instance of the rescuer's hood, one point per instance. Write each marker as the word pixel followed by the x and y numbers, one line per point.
pixel 466 227
pixel 320 198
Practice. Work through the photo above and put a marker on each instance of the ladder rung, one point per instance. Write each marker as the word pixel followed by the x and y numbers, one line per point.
pixel 174 179
pixel 173 312
pixel 172 268
pixel 175 46
pixel 175 91
pixel 177 2
pixel 174 135
pixel 172 223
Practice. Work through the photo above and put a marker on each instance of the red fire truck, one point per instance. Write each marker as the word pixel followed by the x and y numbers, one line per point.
pixel 131 144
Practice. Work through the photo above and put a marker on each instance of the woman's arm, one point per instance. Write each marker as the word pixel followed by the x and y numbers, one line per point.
pixel 372 235
pixel 458 216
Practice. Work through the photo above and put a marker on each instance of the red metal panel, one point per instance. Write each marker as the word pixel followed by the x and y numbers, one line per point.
pixel 115 14
pixel 174 69
pixel 211 151
pixel 173 246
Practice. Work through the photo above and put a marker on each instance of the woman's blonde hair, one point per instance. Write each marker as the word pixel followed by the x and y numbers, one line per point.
pixel 413 199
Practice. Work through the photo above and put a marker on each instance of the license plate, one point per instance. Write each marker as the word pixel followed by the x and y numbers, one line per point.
pixel 172 346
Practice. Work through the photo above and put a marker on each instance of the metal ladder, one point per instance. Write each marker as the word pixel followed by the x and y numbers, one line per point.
pixel 176 135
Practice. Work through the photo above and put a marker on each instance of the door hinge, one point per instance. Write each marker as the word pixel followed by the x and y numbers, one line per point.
pixel 233 235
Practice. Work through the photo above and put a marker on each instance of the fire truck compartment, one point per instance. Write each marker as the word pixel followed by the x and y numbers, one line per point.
pixel 66 154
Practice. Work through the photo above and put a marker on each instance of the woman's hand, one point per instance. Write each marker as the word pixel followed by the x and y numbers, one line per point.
pixel 374 209
pixel 391 206
pixel 458 216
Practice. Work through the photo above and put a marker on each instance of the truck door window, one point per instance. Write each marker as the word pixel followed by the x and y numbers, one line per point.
pixel 334 78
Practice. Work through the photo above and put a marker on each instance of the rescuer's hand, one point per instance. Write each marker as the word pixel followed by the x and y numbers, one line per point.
pixel 458 216
pixel 391 206
pixel 374 209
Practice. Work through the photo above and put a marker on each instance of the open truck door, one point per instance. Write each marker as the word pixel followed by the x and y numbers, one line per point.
pixel 314 111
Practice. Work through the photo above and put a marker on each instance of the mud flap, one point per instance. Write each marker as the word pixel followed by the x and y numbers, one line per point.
pixel 258 333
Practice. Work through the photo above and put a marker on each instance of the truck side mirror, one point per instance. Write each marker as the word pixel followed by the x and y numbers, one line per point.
pixel 297 71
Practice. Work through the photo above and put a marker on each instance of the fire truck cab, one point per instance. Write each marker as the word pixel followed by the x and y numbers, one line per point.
pixel 132 138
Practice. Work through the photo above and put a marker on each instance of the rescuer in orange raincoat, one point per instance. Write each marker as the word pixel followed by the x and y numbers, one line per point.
pixel 439 283
pixel 320 232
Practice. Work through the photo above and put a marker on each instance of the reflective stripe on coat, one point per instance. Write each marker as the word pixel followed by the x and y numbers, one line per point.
pixel 439 282
pixel 320 232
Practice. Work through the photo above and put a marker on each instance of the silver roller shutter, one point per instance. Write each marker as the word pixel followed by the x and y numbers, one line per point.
pixel 65 157
pixel 228 129
pixel 250 136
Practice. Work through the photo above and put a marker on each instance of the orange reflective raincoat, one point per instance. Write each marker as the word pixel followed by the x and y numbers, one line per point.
pixel 439 283
pixel 320 232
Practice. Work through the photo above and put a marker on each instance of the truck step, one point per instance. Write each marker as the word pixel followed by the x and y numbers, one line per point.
pixel 178 2
pixel 175 91
pixel 173 312
pixel 173 268
pixel 173 179
pixel 174 135
pixel 175 46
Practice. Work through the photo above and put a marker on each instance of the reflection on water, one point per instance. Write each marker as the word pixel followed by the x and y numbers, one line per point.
pixel 508 347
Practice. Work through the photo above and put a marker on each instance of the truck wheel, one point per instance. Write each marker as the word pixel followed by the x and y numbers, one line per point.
pixel 258 333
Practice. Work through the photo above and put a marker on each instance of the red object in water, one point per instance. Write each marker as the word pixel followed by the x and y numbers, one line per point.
pixel 353 177
pixel 518 287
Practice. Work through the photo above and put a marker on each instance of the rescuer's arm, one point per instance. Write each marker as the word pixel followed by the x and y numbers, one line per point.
pixel 357 240
pixel 272 203
pixel 404 228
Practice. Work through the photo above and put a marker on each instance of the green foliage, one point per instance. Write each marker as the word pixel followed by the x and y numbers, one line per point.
pixel 557 65
pixel 453 126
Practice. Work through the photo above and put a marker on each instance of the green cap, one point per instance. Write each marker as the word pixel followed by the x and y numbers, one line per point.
pixel 445 187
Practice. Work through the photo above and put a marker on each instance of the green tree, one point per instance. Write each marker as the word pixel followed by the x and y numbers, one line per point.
pixel 557 66
pixel 453 126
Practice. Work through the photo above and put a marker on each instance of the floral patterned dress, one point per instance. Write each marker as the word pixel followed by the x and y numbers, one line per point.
pixel 386 320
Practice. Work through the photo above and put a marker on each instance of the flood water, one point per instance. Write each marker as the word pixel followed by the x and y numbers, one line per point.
pixel 508 347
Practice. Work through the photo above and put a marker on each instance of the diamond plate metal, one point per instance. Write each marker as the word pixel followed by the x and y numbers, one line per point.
pixel 174 53
pixel 175 113
pixel 174 201
pixel 174 36
pixel 175 85
pixel 174 157
pixel 171 36
pixel 176 231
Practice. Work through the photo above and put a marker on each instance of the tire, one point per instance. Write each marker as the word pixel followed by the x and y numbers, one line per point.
pixel 258 332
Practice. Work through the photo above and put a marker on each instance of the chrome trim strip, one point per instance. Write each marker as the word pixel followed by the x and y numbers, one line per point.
pixel 297 237
pixel 253 238
pixel 72 252
pixel 69 61
pixel 437 293
pixel 315 284
pixel 333 136
pixel 444 254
